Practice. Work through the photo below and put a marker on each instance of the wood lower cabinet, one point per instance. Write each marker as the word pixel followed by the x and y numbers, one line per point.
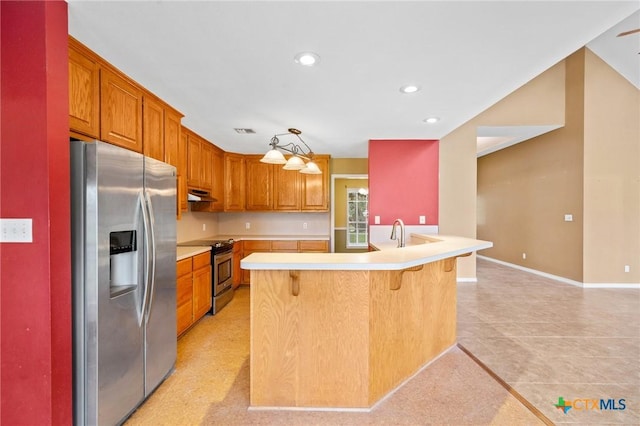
pixel 201 285
pixel 193 288
pixel 237 270
pixel 184 294
pixel 280 246
pixel 313 246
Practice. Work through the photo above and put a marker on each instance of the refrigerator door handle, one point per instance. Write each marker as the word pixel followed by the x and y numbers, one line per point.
pixel 147 257
pixel 152 238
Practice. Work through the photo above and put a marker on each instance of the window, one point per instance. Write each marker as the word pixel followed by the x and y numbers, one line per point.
pixel 357 217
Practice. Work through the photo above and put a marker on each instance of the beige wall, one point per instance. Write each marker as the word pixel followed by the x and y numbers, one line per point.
pixel 268 223
pixel 190 226
pixel 611 175
pixel 589 168
pixel 539 102
pixel 349 166
pixel 525 190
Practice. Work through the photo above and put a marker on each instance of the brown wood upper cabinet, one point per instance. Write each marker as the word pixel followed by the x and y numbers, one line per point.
pixel 182 169
pixel 84 91
pixel 217 186
pixel 120 111
pixel 270 187
pixel 259 187
pixel 234 182
pixel 199 162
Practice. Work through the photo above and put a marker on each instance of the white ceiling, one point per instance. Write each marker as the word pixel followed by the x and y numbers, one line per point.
pixel 229 65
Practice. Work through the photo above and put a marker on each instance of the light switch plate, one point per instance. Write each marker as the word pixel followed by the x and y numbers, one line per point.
pixel 568 218
pixel 376 220
pixel 16 231
pixel 423 220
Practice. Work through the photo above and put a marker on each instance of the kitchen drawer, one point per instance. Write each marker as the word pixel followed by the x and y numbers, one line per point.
pixel 184 267
pixel 257 245
pixel 201 260
pixel 313 246
pixel 291 245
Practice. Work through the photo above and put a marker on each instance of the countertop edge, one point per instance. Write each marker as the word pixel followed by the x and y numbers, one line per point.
pixel 388 259
pixel 184 252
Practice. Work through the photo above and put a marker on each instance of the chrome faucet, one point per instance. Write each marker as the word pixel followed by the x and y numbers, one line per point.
pixel 393 232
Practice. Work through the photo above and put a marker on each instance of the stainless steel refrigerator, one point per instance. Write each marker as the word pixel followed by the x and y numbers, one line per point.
pixel 124 279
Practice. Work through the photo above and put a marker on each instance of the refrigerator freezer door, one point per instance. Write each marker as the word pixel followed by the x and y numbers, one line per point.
pixel 160 331
pixel 107 285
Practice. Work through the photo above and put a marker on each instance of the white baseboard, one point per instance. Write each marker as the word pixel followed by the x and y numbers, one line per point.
pixel 467 280
pixel 561 279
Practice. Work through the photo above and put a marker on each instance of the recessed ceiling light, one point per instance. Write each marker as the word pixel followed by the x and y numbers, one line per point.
pixel 431 120
pixel 307 59
pixel 409 88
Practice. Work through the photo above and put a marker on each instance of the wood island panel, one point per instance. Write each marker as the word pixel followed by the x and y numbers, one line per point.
pixel 295 339
pixel 347 338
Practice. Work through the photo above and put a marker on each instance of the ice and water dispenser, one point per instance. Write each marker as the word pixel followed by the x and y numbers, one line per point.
pixel 123 262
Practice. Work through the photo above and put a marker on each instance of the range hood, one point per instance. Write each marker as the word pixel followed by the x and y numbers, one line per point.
pixel 199 195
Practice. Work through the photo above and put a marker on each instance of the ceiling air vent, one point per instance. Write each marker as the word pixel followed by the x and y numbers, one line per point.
pixel 244 131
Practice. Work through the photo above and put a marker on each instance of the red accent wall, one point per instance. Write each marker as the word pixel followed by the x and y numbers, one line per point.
pixel 35 278
pixel 403 181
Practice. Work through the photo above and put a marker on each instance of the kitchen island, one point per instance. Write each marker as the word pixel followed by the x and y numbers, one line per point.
pixel 341 330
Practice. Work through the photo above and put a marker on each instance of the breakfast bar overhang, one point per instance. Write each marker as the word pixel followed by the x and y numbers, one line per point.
pixel 341 330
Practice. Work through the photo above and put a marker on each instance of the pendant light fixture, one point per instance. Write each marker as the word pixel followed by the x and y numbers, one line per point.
pixel 296 161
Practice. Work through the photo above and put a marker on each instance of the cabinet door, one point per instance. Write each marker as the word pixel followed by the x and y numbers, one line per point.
pixel 259 195
pixel 201 291
pixel 153 128
pixel 184 295
pixel 120 111
pixel 182 171
pixel 253 246
pixel 315 188
pixel 194 157
pixel 206 165
pixel 237 270
pixel 286 189
pixel 234 182
pixel 84 93
pixel 217 190
pixel 172 137
pixel 313 246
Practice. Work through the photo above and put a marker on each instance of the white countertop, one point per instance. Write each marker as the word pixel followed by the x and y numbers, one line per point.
pixel 189 251
pixel 435 247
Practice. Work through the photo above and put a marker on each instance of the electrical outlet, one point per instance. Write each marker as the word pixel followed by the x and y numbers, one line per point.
pixel 376 220
pixel 304 225
pixel 16 231
pixel 204 226
pixel 423 220
pixel 568 218
pixel 247 225
pixel 627 268
pixel 524 255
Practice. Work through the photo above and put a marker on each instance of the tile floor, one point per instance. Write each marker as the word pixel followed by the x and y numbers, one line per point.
pixel 547 339
pixel 543 338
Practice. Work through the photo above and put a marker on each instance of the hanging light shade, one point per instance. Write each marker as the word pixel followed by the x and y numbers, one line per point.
pixel 311 169
pixel 294 163
pixel 273 156
pixel 300 151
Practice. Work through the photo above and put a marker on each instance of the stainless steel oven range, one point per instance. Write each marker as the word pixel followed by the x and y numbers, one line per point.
pixel 222 265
